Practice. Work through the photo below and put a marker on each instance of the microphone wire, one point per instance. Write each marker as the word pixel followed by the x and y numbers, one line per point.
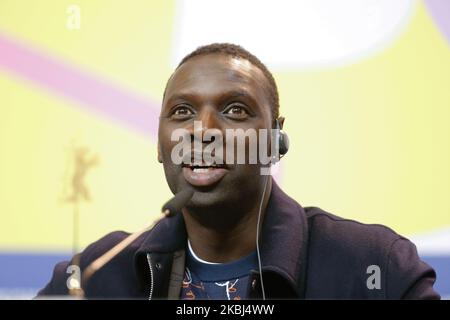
pixel 258 226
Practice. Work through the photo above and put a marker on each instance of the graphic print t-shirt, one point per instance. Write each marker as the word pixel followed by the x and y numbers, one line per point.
pixel 227 281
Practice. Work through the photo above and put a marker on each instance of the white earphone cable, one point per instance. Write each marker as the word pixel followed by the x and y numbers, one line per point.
pixel 257 238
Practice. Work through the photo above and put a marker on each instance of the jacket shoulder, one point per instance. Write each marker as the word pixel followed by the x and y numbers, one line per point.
pixel 352 251
pixel 347 231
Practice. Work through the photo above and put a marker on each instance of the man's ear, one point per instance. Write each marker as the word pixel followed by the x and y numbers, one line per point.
pixel 281 122
pixel 159 153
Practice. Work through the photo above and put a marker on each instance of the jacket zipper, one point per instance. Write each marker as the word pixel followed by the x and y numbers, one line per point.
pixel 149 261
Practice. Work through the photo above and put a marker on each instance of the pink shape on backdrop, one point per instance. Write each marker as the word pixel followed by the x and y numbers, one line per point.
pixel 89 91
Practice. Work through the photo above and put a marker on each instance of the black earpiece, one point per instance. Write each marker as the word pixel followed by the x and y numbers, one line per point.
pixel 283 139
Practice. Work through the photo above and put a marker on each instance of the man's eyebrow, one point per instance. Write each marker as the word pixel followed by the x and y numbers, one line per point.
pixel 238 94
pixel 232 94
pixel 182 96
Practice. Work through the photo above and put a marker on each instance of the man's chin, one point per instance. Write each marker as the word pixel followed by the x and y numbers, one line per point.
pixel 214 210
pixel 203 199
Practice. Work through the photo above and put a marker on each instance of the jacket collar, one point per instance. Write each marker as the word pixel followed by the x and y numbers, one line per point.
pixel 283 238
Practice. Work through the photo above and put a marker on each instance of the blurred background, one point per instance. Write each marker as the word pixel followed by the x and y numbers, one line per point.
pixel 364 86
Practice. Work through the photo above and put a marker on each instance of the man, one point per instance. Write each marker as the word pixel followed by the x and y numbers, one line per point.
pixel 240 236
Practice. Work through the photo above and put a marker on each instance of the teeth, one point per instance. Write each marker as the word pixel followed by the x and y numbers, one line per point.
pixel 200 170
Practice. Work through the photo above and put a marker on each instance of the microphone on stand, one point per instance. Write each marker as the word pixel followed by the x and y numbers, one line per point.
pixel 171 208
pixel 174 205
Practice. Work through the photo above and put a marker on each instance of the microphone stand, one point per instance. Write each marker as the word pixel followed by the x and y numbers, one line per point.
pixel 171 208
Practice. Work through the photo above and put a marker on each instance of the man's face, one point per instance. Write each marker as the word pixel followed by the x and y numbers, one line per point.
pixel 223 93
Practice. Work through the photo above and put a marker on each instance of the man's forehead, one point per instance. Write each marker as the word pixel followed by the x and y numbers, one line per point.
pixel 215 67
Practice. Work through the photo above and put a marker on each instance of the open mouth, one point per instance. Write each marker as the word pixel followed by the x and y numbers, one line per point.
pixel 203 166
pixel 203 175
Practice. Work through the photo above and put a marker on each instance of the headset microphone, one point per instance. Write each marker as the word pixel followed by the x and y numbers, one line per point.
pixel 283 147
pixel 283 139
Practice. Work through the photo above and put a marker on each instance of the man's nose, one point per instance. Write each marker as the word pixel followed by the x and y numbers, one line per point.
pixel 206 119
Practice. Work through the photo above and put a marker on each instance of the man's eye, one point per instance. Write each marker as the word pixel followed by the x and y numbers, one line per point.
pixel 236 111
pixel 181 112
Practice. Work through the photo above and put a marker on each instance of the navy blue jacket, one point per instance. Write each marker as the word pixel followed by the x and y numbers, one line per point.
pixel 306 253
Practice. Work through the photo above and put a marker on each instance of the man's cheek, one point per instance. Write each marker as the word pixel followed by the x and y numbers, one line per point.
pixel 166 150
